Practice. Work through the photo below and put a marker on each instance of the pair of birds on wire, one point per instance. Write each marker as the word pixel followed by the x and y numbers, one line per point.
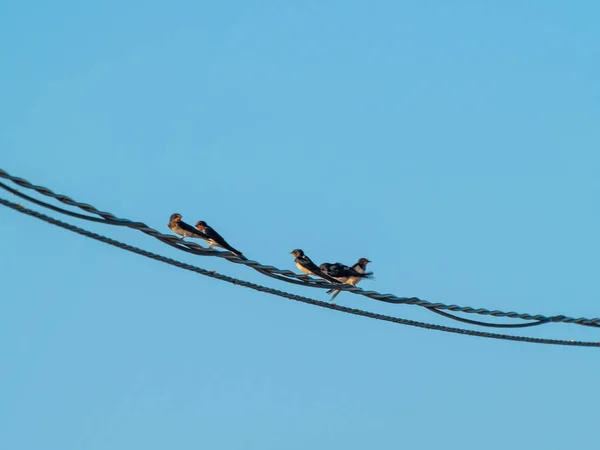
pixel 332 272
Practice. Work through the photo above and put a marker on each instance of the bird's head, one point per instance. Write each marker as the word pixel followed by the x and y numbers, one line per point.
pixel 297 253
pixel 175 217
pixel 201 225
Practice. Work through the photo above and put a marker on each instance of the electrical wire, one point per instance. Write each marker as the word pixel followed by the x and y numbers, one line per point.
pixel 299 298
pixel 286 275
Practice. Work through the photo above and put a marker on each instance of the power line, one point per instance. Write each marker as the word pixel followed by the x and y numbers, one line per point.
pixel 299 298
pixel 285 275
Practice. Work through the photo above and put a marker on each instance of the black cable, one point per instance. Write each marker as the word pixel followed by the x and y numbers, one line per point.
pixel 57 209
pixel 291 277
pixel 487 324
pixel 288 295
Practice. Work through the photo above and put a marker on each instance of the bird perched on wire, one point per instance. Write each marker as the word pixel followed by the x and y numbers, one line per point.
pixel 183 229
pixel 305 264
pixel 349 275
pixel 335 270
pixel 214 239
pixel 342 272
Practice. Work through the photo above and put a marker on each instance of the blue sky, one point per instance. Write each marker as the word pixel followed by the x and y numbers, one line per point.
pixel 455 144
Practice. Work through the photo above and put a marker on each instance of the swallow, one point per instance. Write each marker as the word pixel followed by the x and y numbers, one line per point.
pixel 183 229
pixel 305 264
pixel 342 273
pixel 336 270
pixel 214 239
pixel 355 273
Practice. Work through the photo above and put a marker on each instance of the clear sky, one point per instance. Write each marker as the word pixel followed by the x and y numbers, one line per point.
pixel 455 144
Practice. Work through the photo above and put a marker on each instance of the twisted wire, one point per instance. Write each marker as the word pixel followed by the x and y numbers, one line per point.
pixel 173 241
pixel 190 247
pixel 289 276
pixel 119 223
pixel 299 298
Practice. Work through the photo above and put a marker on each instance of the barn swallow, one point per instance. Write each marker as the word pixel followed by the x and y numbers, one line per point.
pixel 305 265
pixel 214 239
pixel 336 270
pixel 183 229
pixel 356 273
pixel 342 273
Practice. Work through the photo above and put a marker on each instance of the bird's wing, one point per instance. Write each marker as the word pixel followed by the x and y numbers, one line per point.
pixel 350 272
pixel 190 229
pixel 312 267
pixel 212 234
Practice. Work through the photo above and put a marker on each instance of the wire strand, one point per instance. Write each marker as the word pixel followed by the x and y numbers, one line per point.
pixel 487 324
